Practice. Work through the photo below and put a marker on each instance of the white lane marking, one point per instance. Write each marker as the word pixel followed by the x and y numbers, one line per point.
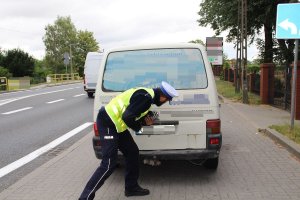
pixel 58 100
pixel 4 101
pixel 28 158
pixel 15 111
pixel 7 93
pixel 78 95
pixel 32 95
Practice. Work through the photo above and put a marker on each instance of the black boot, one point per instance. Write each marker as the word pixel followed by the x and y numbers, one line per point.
pixel 136 191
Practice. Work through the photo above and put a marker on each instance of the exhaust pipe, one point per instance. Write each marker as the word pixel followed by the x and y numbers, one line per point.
pixel 152 162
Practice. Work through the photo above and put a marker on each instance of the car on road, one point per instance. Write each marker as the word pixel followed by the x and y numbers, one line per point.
pixel 189 127
pixel 90 74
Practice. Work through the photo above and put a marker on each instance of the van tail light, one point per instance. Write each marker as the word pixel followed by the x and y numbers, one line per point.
pixel 213 134
pixel 214 141
pixel 213 126
pixel 84 79
pixel 96 129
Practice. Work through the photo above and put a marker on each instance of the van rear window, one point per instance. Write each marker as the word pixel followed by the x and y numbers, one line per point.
pixel 183 68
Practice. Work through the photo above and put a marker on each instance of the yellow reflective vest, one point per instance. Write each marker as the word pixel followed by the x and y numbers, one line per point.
pixel 117 106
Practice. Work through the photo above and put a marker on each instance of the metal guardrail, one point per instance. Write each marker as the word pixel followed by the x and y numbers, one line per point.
pixel 3 83
pixel 14 83
pixel 17 83
pixel 54 78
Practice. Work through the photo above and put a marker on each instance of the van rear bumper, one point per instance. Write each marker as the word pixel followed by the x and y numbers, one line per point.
pixel 178 154
pixel 89 89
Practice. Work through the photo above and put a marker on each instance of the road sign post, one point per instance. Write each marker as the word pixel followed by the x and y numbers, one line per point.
pixel 294 84
pixel 288 27
pixel 66 60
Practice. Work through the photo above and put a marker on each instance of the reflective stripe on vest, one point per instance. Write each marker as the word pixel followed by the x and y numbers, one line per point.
pixel 117 106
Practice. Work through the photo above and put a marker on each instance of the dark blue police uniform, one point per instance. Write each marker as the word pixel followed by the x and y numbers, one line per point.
pixel 111 142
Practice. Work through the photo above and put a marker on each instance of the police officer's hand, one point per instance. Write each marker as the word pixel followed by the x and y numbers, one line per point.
pixel 148 120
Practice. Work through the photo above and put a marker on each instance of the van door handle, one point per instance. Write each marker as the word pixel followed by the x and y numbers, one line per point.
pixel 166 122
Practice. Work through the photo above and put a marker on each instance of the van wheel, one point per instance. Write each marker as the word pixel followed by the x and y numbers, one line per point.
pixel 211 163
pixel 90 94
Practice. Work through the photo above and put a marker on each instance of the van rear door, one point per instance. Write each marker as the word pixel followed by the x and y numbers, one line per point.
pixel 91 71
pixel 182 123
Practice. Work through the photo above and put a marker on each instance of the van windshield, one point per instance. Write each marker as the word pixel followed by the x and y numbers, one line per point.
pixel 182 68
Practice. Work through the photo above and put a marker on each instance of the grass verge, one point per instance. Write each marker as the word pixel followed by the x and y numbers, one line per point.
pixel 227 90
pixel 286 130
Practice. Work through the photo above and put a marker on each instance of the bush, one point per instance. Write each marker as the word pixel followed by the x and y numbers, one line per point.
pixel 38 77
pixel 222 75
pixel 40 73
pixel 253 68
pixel 4 72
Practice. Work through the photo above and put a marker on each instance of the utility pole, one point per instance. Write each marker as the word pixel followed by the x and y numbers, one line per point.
pixel 242 47
pixel 294 84
pixel 71 63
pixel 238 51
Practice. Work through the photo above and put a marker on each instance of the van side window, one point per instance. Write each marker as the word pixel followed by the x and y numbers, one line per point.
pixel 183 68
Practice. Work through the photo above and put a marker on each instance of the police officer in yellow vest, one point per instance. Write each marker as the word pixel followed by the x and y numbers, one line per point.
pixel 127 110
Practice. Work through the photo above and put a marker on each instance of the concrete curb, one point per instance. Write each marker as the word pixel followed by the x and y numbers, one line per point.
pixel 42 86
pixel 290 145
pixel 54 84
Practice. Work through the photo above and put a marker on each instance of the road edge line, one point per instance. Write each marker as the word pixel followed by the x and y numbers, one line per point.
pixel 20 183
pixel 33 155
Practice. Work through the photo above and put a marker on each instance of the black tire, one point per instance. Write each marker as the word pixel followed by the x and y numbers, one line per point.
pixel 90 94
pixel 212 163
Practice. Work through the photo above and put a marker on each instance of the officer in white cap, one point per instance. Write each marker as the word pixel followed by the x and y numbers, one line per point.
pixel 168 90
pixel 129 109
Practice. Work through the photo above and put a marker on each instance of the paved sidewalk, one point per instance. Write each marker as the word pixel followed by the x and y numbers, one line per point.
pixel 262 117
pixel 274 172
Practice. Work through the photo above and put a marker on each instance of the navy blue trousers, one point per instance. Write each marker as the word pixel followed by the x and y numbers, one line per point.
pixel 111 142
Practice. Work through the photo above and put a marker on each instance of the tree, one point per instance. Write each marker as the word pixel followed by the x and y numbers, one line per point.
pixel 63 37
pixel 85 43
pixel 282 51
pixel 4 72
pixel 221 15
pixel 1 57
pixel 19 63
pixel 58 39
pixel 197 41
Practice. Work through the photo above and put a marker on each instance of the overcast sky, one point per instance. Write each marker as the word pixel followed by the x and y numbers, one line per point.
pixel 113 22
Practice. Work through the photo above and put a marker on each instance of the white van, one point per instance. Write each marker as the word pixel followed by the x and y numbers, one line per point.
pixel 91 69
pixel 189 127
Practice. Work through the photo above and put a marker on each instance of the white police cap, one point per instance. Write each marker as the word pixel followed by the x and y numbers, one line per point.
pixel 168 90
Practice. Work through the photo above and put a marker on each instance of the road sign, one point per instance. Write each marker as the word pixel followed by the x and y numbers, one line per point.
pixel 66 58
pixel 287 21
pixel 214 49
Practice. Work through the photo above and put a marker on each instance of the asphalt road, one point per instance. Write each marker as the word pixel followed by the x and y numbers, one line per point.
pixel 31 119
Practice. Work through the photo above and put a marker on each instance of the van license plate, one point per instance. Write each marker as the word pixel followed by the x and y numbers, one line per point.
pixel 158 130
